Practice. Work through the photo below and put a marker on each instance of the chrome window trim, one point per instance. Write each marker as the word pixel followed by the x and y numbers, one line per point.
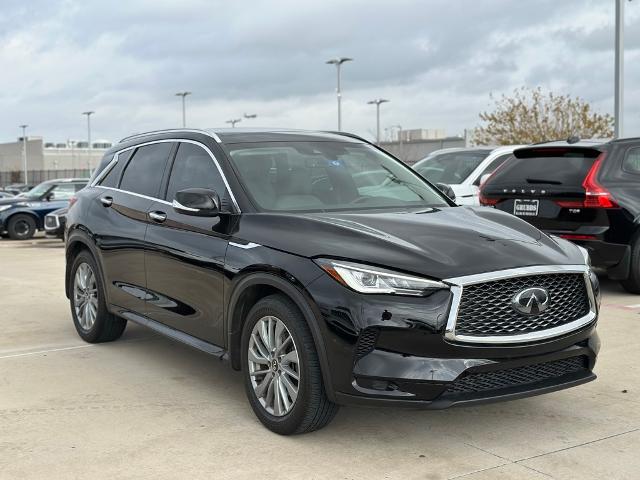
pixel 173 130
pixel 139 195
pixel 113 162
pixel 457 287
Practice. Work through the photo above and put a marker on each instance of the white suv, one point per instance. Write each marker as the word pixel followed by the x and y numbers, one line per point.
pixel 463 169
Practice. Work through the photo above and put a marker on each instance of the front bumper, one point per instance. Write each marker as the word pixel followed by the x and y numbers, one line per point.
pixel 411 362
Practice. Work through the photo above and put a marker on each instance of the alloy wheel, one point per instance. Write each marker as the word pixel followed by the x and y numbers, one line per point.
pixel 274 366
pixel 85 296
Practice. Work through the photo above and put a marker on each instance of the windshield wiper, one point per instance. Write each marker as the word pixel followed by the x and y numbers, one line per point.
pixel 542 180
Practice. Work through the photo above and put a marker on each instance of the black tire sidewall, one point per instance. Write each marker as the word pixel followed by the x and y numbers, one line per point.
pixel 293 320
pixel 21 217
pixel 102 315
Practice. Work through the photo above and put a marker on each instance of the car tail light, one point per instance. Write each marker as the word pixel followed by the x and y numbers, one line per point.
pixel 489 202
pixel 596 196
pixel 573 236
pixel 72 201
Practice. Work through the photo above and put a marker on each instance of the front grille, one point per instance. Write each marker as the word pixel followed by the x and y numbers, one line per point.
pixel 485 308
pixel 366 342
pixel 514 377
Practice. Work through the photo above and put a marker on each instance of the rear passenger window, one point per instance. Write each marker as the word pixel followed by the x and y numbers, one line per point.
pixel 143 173
pixel 194 168
pixel 113 176
pixel 632 160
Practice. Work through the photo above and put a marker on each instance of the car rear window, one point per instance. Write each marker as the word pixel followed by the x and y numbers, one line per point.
pixel 546 167
pixel 450 167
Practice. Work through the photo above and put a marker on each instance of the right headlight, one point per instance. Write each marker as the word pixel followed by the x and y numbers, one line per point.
pixel 5 207
pixel 368 279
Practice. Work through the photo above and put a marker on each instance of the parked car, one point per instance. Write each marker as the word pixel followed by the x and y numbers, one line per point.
pixel 6 195
pixel 584 191
pixel 463 169
pixel 18 188
pixel 21 217
pixel 55 222
pixel 258 248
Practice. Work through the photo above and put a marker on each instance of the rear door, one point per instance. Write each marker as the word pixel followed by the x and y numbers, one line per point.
pixel 185 254
pixel 544 186
pixel 120 221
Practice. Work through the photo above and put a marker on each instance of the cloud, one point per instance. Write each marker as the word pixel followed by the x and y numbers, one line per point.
pixel 436 61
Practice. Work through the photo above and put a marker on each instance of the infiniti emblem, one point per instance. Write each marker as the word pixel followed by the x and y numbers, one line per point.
pixel 531 301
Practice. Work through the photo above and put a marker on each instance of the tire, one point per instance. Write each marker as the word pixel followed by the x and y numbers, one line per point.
pixel 93 322
pixel 632 284
pixel 21 227
pixel 310 409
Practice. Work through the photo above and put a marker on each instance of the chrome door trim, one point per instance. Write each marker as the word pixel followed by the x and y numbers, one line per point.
pixel 457 287
pixel 167 140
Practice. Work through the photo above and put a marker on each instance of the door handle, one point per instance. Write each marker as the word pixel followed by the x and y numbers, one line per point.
pixel 106 201
pixel 158 217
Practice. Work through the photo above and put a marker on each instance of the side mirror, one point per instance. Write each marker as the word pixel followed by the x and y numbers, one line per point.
pixel 50 196
pixel 447 190
pixel 198 202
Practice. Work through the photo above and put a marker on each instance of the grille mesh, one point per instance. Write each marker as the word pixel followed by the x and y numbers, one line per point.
pixel 366 342
pixel 485 308
pixel 484 381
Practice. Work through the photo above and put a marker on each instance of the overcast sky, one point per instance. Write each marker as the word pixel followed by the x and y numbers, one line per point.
pixel 437 61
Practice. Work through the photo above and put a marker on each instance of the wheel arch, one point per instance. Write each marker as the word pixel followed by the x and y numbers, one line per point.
pixel 250 289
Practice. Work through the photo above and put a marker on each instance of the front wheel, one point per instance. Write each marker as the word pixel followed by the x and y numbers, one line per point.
pixel 283 380
pixel 21 227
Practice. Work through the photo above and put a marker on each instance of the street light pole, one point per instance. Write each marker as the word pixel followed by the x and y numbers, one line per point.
pixel 24 152
pixel 377 103
pixel 233 122
pixel 619 69
pixel 184 109
pixel 338 62
pixel 88 114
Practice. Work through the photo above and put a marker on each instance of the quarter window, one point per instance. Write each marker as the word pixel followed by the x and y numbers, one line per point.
pixel 113 176
pixel 143 174
pixel 194 168
pixel 632 160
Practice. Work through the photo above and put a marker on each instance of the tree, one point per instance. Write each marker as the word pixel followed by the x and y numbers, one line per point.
pixel 531 115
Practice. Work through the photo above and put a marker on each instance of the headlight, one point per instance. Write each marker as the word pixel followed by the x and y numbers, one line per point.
pixel 366 279
pixel 5 207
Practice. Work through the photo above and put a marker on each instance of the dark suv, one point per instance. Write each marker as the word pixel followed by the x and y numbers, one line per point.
pixel 260 248
pixel 584 191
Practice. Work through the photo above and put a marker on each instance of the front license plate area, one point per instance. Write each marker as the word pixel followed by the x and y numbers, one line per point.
pixel 526 207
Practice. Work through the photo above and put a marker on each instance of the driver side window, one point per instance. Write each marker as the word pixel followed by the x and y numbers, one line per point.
pixel 63 191
pixel 194 168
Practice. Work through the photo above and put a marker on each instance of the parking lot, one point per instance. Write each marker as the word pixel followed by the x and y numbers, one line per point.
pixel 146 407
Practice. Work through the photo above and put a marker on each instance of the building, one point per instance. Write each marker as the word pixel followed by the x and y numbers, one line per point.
pixel 46 160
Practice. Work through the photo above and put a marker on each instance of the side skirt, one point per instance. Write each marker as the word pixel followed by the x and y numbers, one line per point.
pixel 174 334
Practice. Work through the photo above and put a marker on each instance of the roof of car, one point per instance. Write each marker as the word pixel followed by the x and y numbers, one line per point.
pixel 66 180
pixel 253 135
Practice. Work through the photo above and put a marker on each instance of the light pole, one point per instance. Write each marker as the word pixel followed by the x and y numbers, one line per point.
pixel 619 70
pixel 184 110
pixel 250 115
pixel 233 122
pixel 88 114
pixel 377 103
pixel 338 61
pixel 24 152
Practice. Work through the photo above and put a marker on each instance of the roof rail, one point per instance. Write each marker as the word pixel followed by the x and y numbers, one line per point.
pixel 172 130
pixel 350 135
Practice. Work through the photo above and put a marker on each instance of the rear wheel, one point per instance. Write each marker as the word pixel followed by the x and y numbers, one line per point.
pixel 632 284
pixel 21 227
pixel 91 318
pixel 283 380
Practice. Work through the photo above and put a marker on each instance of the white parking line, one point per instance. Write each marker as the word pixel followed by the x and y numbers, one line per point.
pixel 40 352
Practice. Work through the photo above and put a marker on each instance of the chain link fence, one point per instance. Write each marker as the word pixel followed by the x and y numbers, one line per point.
pixel 37 176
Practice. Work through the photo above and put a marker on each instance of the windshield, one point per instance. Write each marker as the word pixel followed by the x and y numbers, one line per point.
pixel 450 167
pixel 327 176
pixel 37 191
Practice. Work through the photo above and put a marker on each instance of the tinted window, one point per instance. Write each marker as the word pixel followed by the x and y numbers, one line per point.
pixel 451 168
pixel 632 160
pixel 495 163
pixel 144 171
pixel 113 176
pixel 194 168
pixel 327 176
pixel 547 167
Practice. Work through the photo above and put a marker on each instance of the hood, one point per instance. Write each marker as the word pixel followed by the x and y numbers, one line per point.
pixel 12 200
pixel 438 242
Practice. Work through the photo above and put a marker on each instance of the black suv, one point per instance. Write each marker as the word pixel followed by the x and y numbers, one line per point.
pixel 259 247
pixel 584 191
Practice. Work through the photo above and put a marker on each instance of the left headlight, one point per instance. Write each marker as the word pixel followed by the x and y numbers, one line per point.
pixel 5 207
pixel 367 279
